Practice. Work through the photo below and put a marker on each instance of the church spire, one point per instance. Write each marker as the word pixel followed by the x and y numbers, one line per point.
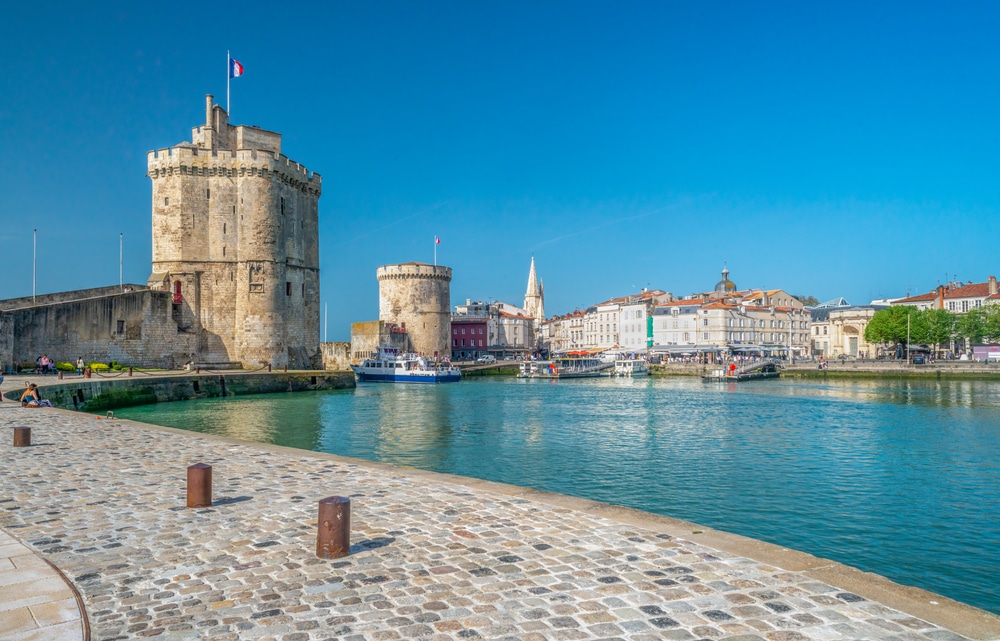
pixel 532 284
pixel 533 301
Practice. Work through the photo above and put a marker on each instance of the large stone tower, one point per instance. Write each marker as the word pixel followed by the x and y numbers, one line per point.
pixel 417 296
pixel 235 239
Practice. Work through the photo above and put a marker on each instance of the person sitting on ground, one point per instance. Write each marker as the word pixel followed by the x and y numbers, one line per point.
pixel 31 398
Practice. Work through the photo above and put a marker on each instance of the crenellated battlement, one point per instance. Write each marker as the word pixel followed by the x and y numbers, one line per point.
pixel 413 270
pixel 194 161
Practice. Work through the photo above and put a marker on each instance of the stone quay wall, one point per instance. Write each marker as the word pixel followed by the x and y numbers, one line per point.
pixel 99 394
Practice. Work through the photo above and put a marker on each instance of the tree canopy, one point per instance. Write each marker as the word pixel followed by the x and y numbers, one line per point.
pixel 889 325
pixel 933 326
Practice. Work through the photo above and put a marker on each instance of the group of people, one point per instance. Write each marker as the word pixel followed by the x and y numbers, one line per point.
pixel 45 365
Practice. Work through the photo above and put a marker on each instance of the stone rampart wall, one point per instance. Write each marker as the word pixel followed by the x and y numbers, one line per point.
pixel 336 356
pixel 97 394
pixel 64 297
pixel 135 328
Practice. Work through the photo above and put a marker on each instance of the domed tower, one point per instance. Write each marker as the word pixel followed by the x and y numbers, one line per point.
pixel 235 239
pixel 417 296
pixel 725 286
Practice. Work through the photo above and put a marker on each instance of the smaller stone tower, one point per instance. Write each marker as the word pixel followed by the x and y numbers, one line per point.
pixel 417 296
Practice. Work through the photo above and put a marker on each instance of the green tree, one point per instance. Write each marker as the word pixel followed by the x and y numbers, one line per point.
pixel 808 301
pixel 893 324
pixel 972 325
pixel 991 321
pixel 940 326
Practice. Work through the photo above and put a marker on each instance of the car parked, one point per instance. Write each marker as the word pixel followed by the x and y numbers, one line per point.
pixel 487 359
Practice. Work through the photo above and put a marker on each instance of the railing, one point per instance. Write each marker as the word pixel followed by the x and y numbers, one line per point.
pixel 756 364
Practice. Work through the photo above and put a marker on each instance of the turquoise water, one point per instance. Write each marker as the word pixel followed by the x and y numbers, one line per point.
pixel 895 477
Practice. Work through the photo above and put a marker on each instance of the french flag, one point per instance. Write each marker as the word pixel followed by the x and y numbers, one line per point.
pixel 235 69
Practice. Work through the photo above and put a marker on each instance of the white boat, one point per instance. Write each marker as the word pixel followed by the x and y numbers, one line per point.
pixel 631 367
pixel 391 366
pixel 564 368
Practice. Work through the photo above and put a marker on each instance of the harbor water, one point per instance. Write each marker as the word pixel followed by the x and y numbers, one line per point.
pixel 895 477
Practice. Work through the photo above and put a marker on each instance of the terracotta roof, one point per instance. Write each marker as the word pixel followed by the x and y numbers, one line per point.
pixel 682 303
pixel 971 290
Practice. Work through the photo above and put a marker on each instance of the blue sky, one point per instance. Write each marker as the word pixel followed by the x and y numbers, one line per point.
pixel 830 149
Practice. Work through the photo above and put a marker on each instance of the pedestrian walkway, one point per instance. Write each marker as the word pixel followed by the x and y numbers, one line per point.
pixel 36 603
pixel 433 557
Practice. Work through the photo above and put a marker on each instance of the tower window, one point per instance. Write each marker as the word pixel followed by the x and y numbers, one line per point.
pixel 120 327
pixel 223 228
pixel 223 251
pixel 303 290
pixel 208 193
pixel 288 289
pixel 166 202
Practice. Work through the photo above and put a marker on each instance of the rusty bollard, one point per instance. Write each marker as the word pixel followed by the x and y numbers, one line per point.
pixel 286 368
pixel 197 369
pixel 86 372
pixel 130 370
pixel 333 538
pixel 199 485
pixel 60 375
pixel 268 367
pixel 22 436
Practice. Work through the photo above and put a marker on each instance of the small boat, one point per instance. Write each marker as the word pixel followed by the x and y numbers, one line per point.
pixel 631 367
pixel 391 366
pixel 564 368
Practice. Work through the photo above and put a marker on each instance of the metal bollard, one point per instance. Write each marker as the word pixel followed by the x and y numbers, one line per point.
pixel 86 372
pixel 199 485
pixel 60 375
pixel 333 537
pixel 22 436
pixel 286 368
pixel 268 367
pixel 197 369
pixel 130 370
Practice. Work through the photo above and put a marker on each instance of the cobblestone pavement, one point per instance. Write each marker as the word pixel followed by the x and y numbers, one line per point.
pixel 431 558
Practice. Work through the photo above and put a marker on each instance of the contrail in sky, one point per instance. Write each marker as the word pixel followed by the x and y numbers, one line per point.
pixel 613 221
pixel 396 222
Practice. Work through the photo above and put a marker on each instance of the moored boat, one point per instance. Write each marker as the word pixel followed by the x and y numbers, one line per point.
pixel 391 366
pixel 631 367
pixel 564 368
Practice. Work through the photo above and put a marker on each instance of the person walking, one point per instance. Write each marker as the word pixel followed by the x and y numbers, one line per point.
pixel 79 366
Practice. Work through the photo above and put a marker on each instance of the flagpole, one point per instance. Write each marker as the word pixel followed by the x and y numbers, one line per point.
pixel 34 262
pixel 229 64
pixel 121 259
pixel 435 251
